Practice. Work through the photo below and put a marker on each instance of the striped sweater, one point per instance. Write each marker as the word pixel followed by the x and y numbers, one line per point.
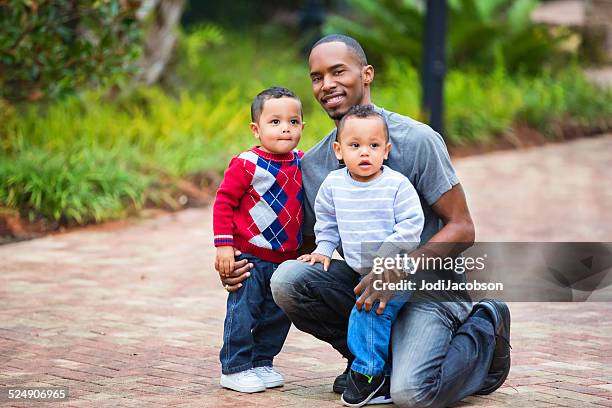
pixel 381 217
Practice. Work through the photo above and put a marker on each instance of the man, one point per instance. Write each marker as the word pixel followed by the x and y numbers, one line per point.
pixel 441 350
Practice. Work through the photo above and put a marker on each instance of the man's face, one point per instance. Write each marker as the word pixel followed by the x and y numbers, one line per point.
pixel 280 125
pixel 338 79
pixel 362 146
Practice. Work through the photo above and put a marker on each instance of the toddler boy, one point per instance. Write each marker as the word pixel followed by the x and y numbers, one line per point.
pixel 366 202
pixel 258 210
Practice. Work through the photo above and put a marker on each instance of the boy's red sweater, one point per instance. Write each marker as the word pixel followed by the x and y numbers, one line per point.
pixel 258 208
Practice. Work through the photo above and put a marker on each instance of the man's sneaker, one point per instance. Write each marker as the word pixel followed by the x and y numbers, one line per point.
pixel 270 376
pixel 361 388
pixel 244 381
pixel 340 381
pixel 500 365
pixel 383 395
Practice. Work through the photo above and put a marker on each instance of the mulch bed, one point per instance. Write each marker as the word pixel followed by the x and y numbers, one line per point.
pixel 524 137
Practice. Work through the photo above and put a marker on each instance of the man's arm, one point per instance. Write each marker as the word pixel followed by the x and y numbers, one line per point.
pixel 458 232
pixel 440 188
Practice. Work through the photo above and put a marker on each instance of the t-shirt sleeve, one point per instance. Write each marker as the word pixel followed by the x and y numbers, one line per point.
pixel 432 173
pixel 309 218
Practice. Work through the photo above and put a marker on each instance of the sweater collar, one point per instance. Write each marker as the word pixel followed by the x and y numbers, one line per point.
pixel 289 156
pixel 352 181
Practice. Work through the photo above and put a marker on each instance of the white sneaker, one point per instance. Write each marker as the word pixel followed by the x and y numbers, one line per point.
pixel 270 376
pixel 244 381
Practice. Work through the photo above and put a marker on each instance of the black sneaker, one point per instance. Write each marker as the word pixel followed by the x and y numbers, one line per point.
pixel 500 366
pixel 383 395
pixel 340 381
pixel 361 388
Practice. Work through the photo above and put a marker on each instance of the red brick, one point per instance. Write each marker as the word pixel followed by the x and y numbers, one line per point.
pixel 90 321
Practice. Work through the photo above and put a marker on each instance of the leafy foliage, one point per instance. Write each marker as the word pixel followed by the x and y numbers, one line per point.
pixel 481 33
pixel 88 158
pixel 48 47
pixel 83 186
pixel 567 98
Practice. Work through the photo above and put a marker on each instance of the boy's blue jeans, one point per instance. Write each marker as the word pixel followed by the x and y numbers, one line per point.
pixel 255 328
pixel 369 336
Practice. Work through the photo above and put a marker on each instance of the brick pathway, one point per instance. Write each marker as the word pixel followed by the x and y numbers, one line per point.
pixel 133 316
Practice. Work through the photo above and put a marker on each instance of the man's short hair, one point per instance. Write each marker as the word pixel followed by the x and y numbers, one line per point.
pixel 274 92
pixel 351 43
pixel 362 111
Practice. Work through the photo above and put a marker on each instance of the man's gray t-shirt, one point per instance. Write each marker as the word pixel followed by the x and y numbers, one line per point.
pixel 417 151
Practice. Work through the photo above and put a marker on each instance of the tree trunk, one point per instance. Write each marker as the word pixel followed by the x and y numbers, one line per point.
pixel 160 37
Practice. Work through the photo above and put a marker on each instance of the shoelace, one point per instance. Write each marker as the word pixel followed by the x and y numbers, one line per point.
pixel 268 370
pixel 248 373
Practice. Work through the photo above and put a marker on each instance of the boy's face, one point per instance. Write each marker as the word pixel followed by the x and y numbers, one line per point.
pixel 338 79
pixel 363 147
pixel 280 125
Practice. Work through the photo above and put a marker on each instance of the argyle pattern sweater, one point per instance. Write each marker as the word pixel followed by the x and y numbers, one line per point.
pixel 258 207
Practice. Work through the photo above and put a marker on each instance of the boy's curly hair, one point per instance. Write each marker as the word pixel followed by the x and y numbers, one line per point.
pixel 362 111
pixel 274 92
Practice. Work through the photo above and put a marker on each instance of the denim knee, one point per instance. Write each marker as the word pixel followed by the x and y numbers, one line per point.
pixel 414 395
pixel 284 282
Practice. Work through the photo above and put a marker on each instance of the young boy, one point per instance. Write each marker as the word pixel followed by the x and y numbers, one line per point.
pixel 366 202
pixel 258 210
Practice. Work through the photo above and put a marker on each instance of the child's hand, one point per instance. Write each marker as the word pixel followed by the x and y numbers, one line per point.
pixel 224 261
pixel 312 258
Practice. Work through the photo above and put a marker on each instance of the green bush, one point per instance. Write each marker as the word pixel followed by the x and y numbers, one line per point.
pixel 568 98
pixel 481 33
pixel 398 88
pixel 49 47
pixel 215 62
pixel 87 185
pixel 477 106
pixel 480 107
pixel 91 157
pixel 86 158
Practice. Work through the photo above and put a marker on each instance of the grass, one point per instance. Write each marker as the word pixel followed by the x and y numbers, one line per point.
pixel 91 157
pixel 84 186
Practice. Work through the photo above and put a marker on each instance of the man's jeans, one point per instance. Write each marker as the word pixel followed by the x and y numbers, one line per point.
pixel 369 336
pixel 438 357
pixel 255 328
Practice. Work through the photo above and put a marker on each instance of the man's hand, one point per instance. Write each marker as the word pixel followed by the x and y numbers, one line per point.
pixel 312 258
pixel 239 272
pixel 368 295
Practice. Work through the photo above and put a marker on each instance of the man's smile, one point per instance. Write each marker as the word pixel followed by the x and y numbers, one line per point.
pixel 333 100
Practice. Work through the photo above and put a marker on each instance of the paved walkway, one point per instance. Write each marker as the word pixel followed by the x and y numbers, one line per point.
pixel 132 317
